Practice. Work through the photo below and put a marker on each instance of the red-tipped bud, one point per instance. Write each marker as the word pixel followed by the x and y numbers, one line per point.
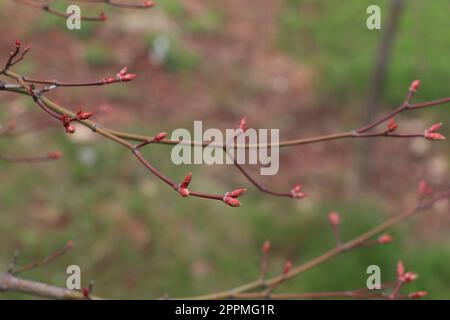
pixel 424 189
pixel 334 218
pixel 266 247
pixel 187 179
pixel 237 193
pixel 296 193
pixel 70 129
pixel 385 238
pixel 414 86
pixel 392 125
pixel 54 154
pixel 127 77
pixel 287 267
pixel 433 135
pixel 409 277
pixel 86 292
pixel 17 43
pixel 243 124
pixel 160 136
pixel 183 192
pixel 435 127
pixel 148 4
pixel 84 115
pixel 232 202
pixel 69 244
pixel 123 71
pixel 417 294
pixel 103 16
pixel 400 269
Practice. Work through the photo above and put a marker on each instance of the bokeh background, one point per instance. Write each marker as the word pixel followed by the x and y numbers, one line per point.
pixel 302 66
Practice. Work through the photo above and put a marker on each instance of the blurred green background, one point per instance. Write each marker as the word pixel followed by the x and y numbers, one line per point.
pixel 302 66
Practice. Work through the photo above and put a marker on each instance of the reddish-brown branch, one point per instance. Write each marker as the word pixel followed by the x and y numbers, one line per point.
pixel 50 156
pixel 47 8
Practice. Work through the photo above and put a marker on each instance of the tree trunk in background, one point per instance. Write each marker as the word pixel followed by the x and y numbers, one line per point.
pixel 376 87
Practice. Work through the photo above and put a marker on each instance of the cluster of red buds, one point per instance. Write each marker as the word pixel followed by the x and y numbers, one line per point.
pixel 405 277
pixel 297 193
pixel 392 125
pixel 432 134
pixel 121 76
pixel 230 197
pixel 67 121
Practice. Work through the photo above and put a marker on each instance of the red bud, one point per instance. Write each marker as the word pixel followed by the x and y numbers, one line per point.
pixel 243 125
pixel 392 125
pixel 148 4
pixel 17 43
pixel 296 193
pixel 183 192
pixel 417 294
pixel 160 136
pixel 127 77
pixel 69 244
pixel 414 86
pixel 84 115
pixel 86 292
pixel 287 267
pixel 409 277
pixel 103 16
pixel 70 129
pixel 186 181
pixel 123 71
pixel 334 218
pixel 237 193
pixel 433 135
pixel 266 247
pixel 54 154
pixel 232 202
pixel 400 269
pixel 435 127
pixel 424 189
pixel 385 238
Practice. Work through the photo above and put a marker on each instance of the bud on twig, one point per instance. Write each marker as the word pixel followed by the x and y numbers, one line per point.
pixel 417 294
pixel 160 136
pixel 237 193
pixel 431 133
pixel 186 181
pixel 232 202
pixel 54 154
pixel 385 238
pixel 400 269
pixel 266 247
pixel 81 115
pixel 243 124
pixel 424 189
pixel 148 4
pixel 409 277
pixel 414 86
pixel 392 125
pixel 287 267
pixel 297 193
pixel 334 219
